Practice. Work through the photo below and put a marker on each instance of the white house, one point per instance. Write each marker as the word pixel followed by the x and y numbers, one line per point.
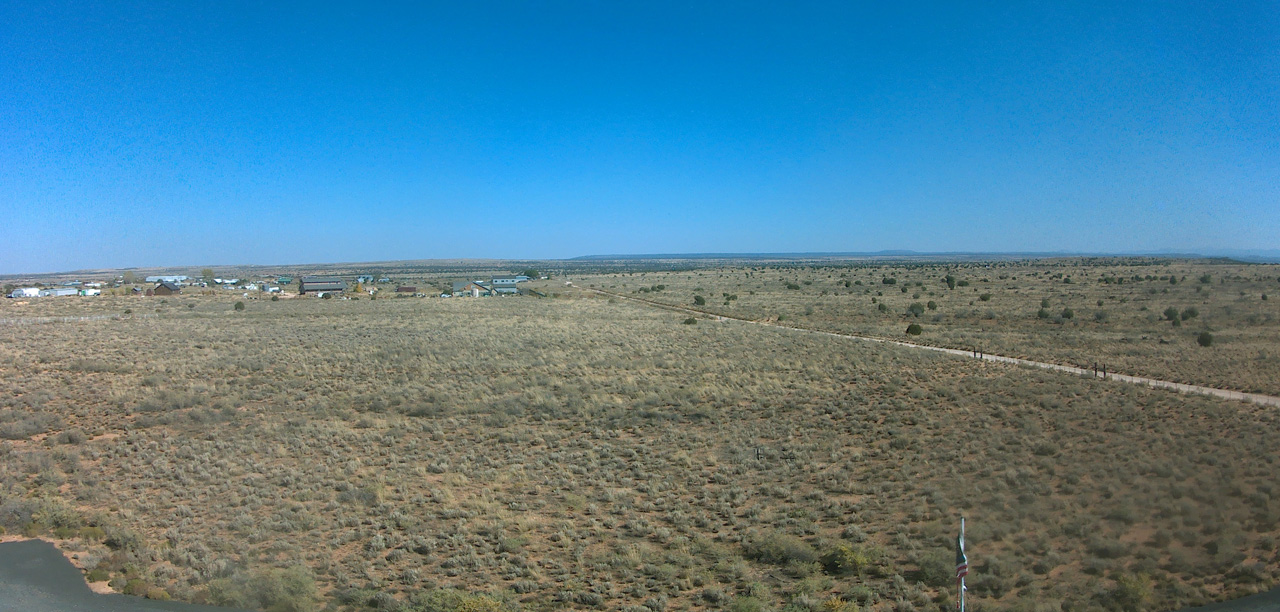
pixel 25 292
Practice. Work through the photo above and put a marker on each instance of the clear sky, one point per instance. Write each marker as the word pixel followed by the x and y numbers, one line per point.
pixel 218 132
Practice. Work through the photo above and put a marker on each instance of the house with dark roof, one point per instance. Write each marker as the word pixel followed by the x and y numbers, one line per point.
pixel 321 284
pixel 166 288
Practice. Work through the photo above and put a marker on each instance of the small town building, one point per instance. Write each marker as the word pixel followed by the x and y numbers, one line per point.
pixel 503 287
pixel 321 284
pixel 59 292
pixel 166 288
pixel 406 289
pixel 471 289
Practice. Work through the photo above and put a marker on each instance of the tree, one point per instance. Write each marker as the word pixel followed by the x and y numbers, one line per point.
pixel 206 275
pixel 531 273
pixel 239 306
pixel 129 277
pixel 914 329
pixel 916 309
pixel 1067 313
pixel 699 300
pixel 1205 339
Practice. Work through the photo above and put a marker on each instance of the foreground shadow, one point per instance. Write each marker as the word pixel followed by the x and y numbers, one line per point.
pixel 35 577
pixel 1262 602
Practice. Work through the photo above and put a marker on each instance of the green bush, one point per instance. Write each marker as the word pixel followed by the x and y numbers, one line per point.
pixel 1067 313
pixel 916 309
pixel 932 305
pixel 746 604
pixel 781 549
pixel 1190 313
pixel 914 329
pixel 986 297
pixel 239 306
pixel 278 590
pixel 1205 339
pixel 699 300
pixel 889 280
pixel 690 321
pixel 1132 593
pixel 843 558
pixel 936 569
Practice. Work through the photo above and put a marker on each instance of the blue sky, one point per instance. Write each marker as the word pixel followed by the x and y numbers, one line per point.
pixel 195 133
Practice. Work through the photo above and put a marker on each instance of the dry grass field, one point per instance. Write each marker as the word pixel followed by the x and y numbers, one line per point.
pixel 580 452
pixel 1137 316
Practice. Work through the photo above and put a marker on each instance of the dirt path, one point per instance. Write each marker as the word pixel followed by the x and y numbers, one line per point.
pixel 1256 398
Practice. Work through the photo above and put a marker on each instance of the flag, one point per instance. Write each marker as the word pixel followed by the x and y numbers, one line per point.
pixel 962 562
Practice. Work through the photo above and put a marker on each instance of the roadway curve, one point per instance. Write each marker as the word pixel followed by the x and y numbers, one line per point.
pixel 1256 398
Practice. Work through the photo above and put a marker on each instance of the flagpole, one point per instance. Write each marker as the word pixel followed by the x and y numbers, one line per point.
pixel 962 577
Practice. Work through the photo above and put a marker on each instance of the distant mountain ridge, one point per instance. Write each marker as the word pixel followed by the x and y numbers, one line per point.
pixel 1254 255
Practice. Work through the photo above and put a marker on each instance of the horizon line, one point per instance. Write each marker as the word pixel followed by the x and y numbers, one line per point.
pixel 1238 255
